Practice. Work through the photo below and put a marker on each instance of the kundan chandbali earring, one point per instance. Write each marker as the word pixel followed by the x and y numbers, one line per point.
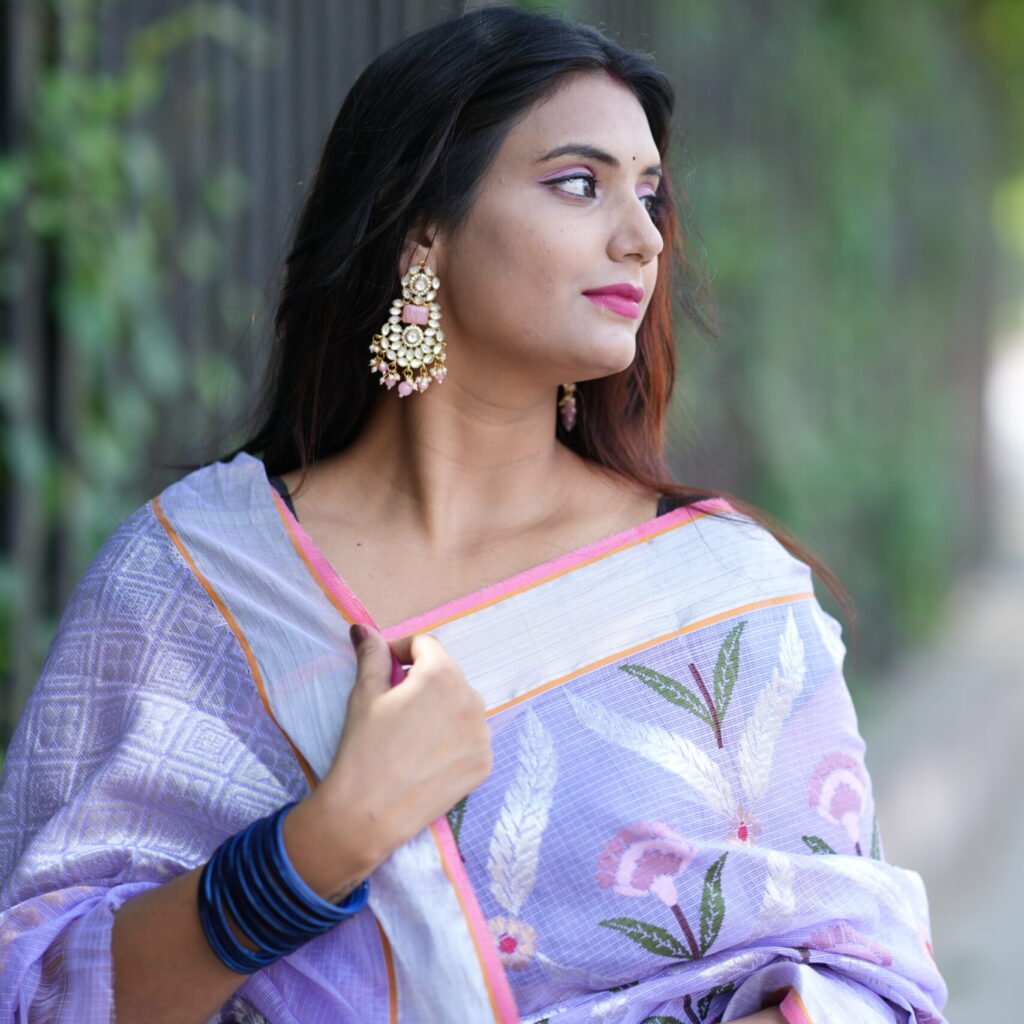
pixel 409 350
pixel 567 406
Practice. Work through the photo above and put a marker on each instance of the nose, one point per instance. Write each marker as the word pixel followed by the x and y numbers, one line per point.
pixel 635 232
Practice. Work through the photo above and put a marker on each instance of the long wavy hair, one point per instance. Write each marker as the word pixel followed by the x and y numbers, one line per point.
pixel 414 136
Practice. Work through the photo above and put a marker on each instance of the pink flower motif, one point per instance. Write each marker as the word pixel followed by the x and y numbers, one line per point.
pixel 515 940
pixel 841 938
pixel 643 858
pixel 839 790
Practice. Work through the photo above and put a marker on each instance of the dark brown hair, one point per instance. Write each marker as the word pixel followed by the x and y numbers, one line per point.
pixel 413 139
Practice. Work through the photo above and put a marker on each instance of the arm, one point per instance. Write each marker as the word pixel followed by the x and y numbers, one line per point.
pixel 164 969
pixel 131 710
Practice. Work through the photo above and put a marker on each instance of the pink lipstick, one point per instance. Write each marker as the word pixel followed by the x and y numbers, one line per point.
pixel 621 298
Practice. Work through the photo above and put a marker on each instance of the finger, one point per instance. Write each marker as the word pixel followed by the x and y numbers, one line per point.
pixel 409 649
pixel 374 663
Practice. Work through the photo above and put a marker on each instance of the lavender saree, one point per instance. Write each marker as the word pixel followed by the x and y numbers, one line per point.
pixel 678 824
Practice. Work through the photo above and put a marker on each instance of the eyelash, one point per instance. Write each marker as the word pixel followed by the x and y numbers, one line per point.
pixel 654 208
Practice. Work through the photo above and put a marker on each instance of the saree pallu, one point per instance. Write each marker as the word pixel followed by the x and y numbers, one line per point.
pixel 678 826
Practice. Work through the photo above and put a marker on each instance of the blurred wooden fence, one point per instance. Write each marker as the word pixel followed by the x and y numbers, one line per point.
pixel 268 120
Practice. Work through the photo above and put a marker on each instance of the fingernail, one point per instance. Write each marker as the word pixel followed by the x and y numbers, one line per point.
pixel 357 634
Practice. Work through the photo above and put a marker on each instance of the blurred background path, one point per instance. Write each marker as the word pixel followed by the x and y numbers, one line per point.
pixel 945 734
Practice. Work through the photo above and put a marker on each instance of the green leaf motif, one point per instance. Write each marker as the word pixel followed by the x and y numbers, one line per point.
pixel 876 841
pixel 661 1018
pixel 455 816
pixel 727 668
pixel 712 905
pixel 671 689
pixel 704 1003
pixel 654 939
pixel 817 845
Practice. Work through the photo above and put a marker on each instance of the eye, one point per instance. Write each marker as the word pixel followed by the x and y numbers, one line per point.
pixel 655 204
pixel 589 178
pixel 654 201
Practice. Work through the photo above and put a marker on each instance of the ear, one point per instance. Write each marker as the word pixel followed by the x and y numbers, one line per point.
pixel 423 242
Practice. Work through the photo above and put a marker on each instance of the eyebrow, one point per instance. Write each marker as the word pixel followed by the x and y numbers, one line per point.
pixel 582 149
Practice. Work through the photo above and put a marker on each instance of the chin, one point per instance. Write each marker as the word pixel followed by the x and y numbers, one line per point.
pixel 608 360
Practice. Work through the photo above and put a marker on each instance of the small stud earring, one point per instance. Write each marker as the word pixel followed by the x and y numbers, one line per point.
pixel 567 406
pixel 409 350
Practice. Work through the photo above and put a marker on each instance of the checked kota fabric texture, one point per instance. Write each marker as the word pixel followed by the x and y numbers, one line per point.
pixel 678 826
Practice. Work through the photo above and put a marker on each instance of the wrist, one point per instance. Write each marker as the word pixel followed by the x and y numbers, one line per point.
pixel 327 847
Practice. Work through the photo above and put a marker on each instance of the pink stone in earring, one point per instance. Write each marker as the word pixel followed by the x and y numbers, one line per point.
pixel 412 314
pixel 404 388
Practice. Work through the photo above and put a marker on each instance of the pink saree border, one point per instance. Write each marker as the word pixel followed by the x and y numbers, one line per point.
pixel 492 593
pixel 353 610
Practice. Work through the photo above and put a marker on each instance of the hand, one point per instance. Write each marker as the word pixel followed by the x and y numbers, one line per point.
pixel 408 753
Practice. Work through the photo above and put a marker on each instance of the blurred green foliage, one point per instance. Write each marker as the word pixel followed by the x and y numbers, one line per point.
pixel 92 187
pixel 846 202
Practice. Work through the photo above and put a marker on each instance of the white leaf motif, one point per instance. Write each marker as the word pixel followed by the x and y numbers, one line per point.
pixel 515 844
pixel 757 745
pixel 661 747
pixel 779 903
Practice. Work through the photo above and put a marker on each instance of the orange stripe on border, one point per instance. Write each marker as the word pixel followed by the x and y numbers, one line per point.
pixel 504 595
pixel 243 642
pixel 608 659
pixel 495 1009
pixel 389 964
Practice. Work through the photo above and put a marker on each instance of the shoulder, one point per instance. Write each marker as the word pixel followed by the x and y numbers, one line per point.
pixel 739 539
pixel 748 548
pixel 141 579
pixel 129 572
pixel 225 490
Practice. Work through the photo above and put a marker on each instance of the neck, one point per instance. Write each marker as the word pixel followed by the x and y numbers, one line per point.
pixel 453 468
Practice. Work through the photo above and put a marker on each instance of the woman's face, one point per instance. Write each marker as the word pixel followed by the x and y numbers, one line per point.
pixel 547 227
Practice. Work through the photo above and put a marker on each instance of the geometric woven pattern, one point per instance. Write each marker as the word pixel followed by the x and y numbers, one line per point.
pixel 142 747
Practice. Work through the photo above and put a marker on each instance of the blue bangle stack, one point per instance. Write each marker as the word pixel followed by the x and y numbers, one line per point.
pixel 250 877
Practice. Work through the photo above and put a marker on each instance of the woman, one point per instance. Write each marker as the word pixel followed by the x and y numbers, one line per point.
pixel 622 778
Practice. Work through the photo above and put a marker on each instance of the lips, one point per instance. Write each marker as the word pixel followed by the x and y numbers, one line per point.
pixel 620 298
pixel 633 292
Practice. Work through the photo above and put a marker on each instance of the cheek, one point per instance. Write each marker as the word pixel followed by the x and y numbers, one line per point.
pixel 512 274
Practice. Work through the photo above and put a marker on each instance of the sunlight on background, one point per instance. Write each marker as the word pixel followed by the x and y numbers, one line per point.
pixel 1004 406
